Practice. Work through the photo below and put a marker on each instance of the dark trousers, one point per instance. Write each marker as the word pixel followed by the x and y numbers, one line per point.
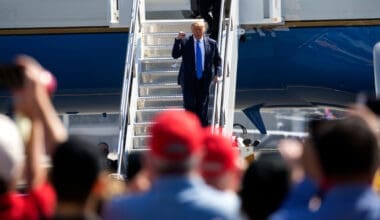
pixel 195 99
pixel 213 6
pixel 195 7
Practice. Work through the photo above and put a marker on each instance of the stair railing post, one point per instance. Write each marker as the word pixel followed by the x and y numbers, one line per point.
pixel 376 65
pixel 126 85
pixel 215 120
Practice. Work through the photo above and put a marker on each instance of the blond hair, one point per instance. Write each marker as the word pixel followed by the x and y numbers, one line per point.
pixel 199 23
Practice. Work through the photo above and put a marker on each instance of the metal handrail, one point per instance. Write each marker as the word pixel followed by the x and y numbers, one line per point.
pixel 218 111
pixel 216 107
pixel 128 75
pixel 226 27
pixel 221 19
pixel 224 69
pixel 232 42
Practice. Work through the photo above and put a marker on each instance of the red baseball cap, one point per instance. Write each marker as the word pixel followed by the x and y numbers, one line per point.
pixel 220 155
pixel 176 135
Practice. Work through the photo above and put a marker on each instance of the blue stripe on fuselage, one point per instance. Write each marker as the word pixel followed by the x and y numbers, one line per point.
pixel 333 57
pixel 79 61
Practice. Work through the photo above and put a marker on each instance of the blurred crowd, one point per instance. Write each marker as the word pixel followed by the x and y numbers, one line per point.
pixel 187 173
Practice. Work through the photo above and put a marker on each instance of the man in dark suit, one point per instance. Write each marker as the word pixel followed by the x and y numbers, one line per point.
pixel 201 64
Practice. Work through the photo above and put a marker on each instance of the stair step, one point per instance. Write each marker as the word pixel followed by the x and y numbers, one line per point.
pixel 142 128
pixel 160 89
pixel 159 85
pixel 158 51
pixel 159 77
pixel 141 149
pixel 140 142
pixel 163 38
pixel 147 115
pixel 144 119
pixel 155 26
pixel 160 64
pixel 160 102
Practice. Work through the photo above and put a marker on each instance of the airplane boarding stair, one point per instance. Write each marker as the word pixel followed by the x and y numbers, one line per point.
pixel 150 81
pixel 157 79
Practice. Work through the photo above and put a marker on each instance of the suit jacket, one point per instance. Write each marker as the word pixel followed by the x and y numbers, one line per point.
pixel 187 73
